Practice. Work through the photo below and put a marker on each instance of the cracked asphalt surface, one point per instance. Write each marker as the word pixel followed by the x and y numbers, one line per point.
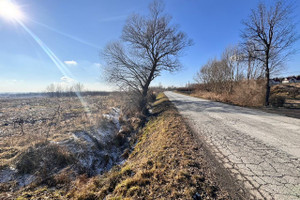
pixel 261 150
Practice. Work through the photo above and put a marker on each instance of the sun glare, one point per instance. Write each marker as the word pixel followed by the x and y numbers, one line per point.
pixel 10 10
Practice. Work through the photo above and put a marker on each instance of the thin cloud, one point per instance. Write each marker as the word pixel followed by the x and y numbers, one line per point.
pixel 115 18
pixel 97 64
pixel 71 62
pixel 66 79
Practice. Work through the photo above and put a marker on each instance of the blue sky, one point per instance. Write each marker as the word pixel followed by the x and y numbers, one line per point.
pixel 76 31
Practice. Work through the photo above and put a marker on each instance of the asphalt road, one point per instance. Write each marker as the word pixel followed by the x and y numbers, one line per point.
pixel 262 150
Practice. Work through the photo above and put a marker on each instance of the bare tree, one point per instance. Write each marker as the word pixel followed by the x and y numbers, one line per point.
pixel 253 69
pixel 221 75
pixel 215 74
pixel 233 58
pixel 58 89
pixel 51 90
pixel 149 45
pixel 271 31
pixel 77 87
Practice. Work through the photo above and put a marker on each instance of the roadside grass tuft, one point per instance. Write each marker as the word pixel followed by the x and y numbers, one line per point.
pixel 41 157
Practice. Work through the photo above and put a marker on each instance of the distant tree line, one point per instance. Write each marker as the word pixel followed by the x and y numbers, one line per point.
pixel 61 94
pixel 58 90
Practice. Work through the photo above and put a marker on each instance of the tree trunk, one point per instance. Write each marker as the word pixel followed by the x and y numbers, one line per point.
pixel 268 82
pixel 249 68
pixel 143 102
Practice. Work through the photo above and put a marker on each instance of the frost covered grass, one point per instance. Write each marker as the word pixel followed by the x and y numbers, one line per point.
pixel 52 141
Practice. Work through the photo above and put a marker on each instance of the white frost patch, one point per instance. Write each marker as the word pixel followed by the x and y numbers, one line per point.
pixel 114 116
pixel 83 136
pixel 10 174
pixel 7 175
pixel 106 134
pixel 91 149
pixel 25 179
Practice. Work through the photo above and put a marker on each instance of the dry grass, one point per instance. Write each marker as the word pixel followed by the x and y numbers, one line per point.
pixel 165 164
pixel 252 94
pixel 287 95
pixel 27 122
pixel 37 138
pixel 244 93
pixel 287 98
pixel 289 91
pixel 284 98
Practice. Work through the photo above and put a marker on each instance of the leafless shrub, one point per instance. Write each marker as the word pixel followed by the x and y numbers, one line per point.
pixel 20 122
pixel 277 101
pixel 244 93
pixel 220 75
pixel 129 106
pixel 53 121
pixel 41 157
pixel 248 93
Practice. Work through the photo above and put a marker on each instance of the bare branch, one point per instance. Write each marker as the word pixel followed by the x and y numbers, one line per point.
pixel 271 33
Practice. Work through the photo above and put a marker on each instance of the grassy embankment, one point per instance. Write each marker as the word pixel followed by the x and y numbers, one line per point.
pixel 165 164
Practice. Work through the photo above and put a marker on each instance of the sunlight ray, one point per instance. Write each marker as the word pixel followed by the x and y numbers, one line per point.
pixel 58 63
pixel 11 11
pixel 66 34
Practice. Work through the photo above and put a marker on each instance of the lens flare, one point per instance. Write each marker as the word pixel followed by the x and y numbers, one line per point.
pixel 59 64
pixel 10 11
